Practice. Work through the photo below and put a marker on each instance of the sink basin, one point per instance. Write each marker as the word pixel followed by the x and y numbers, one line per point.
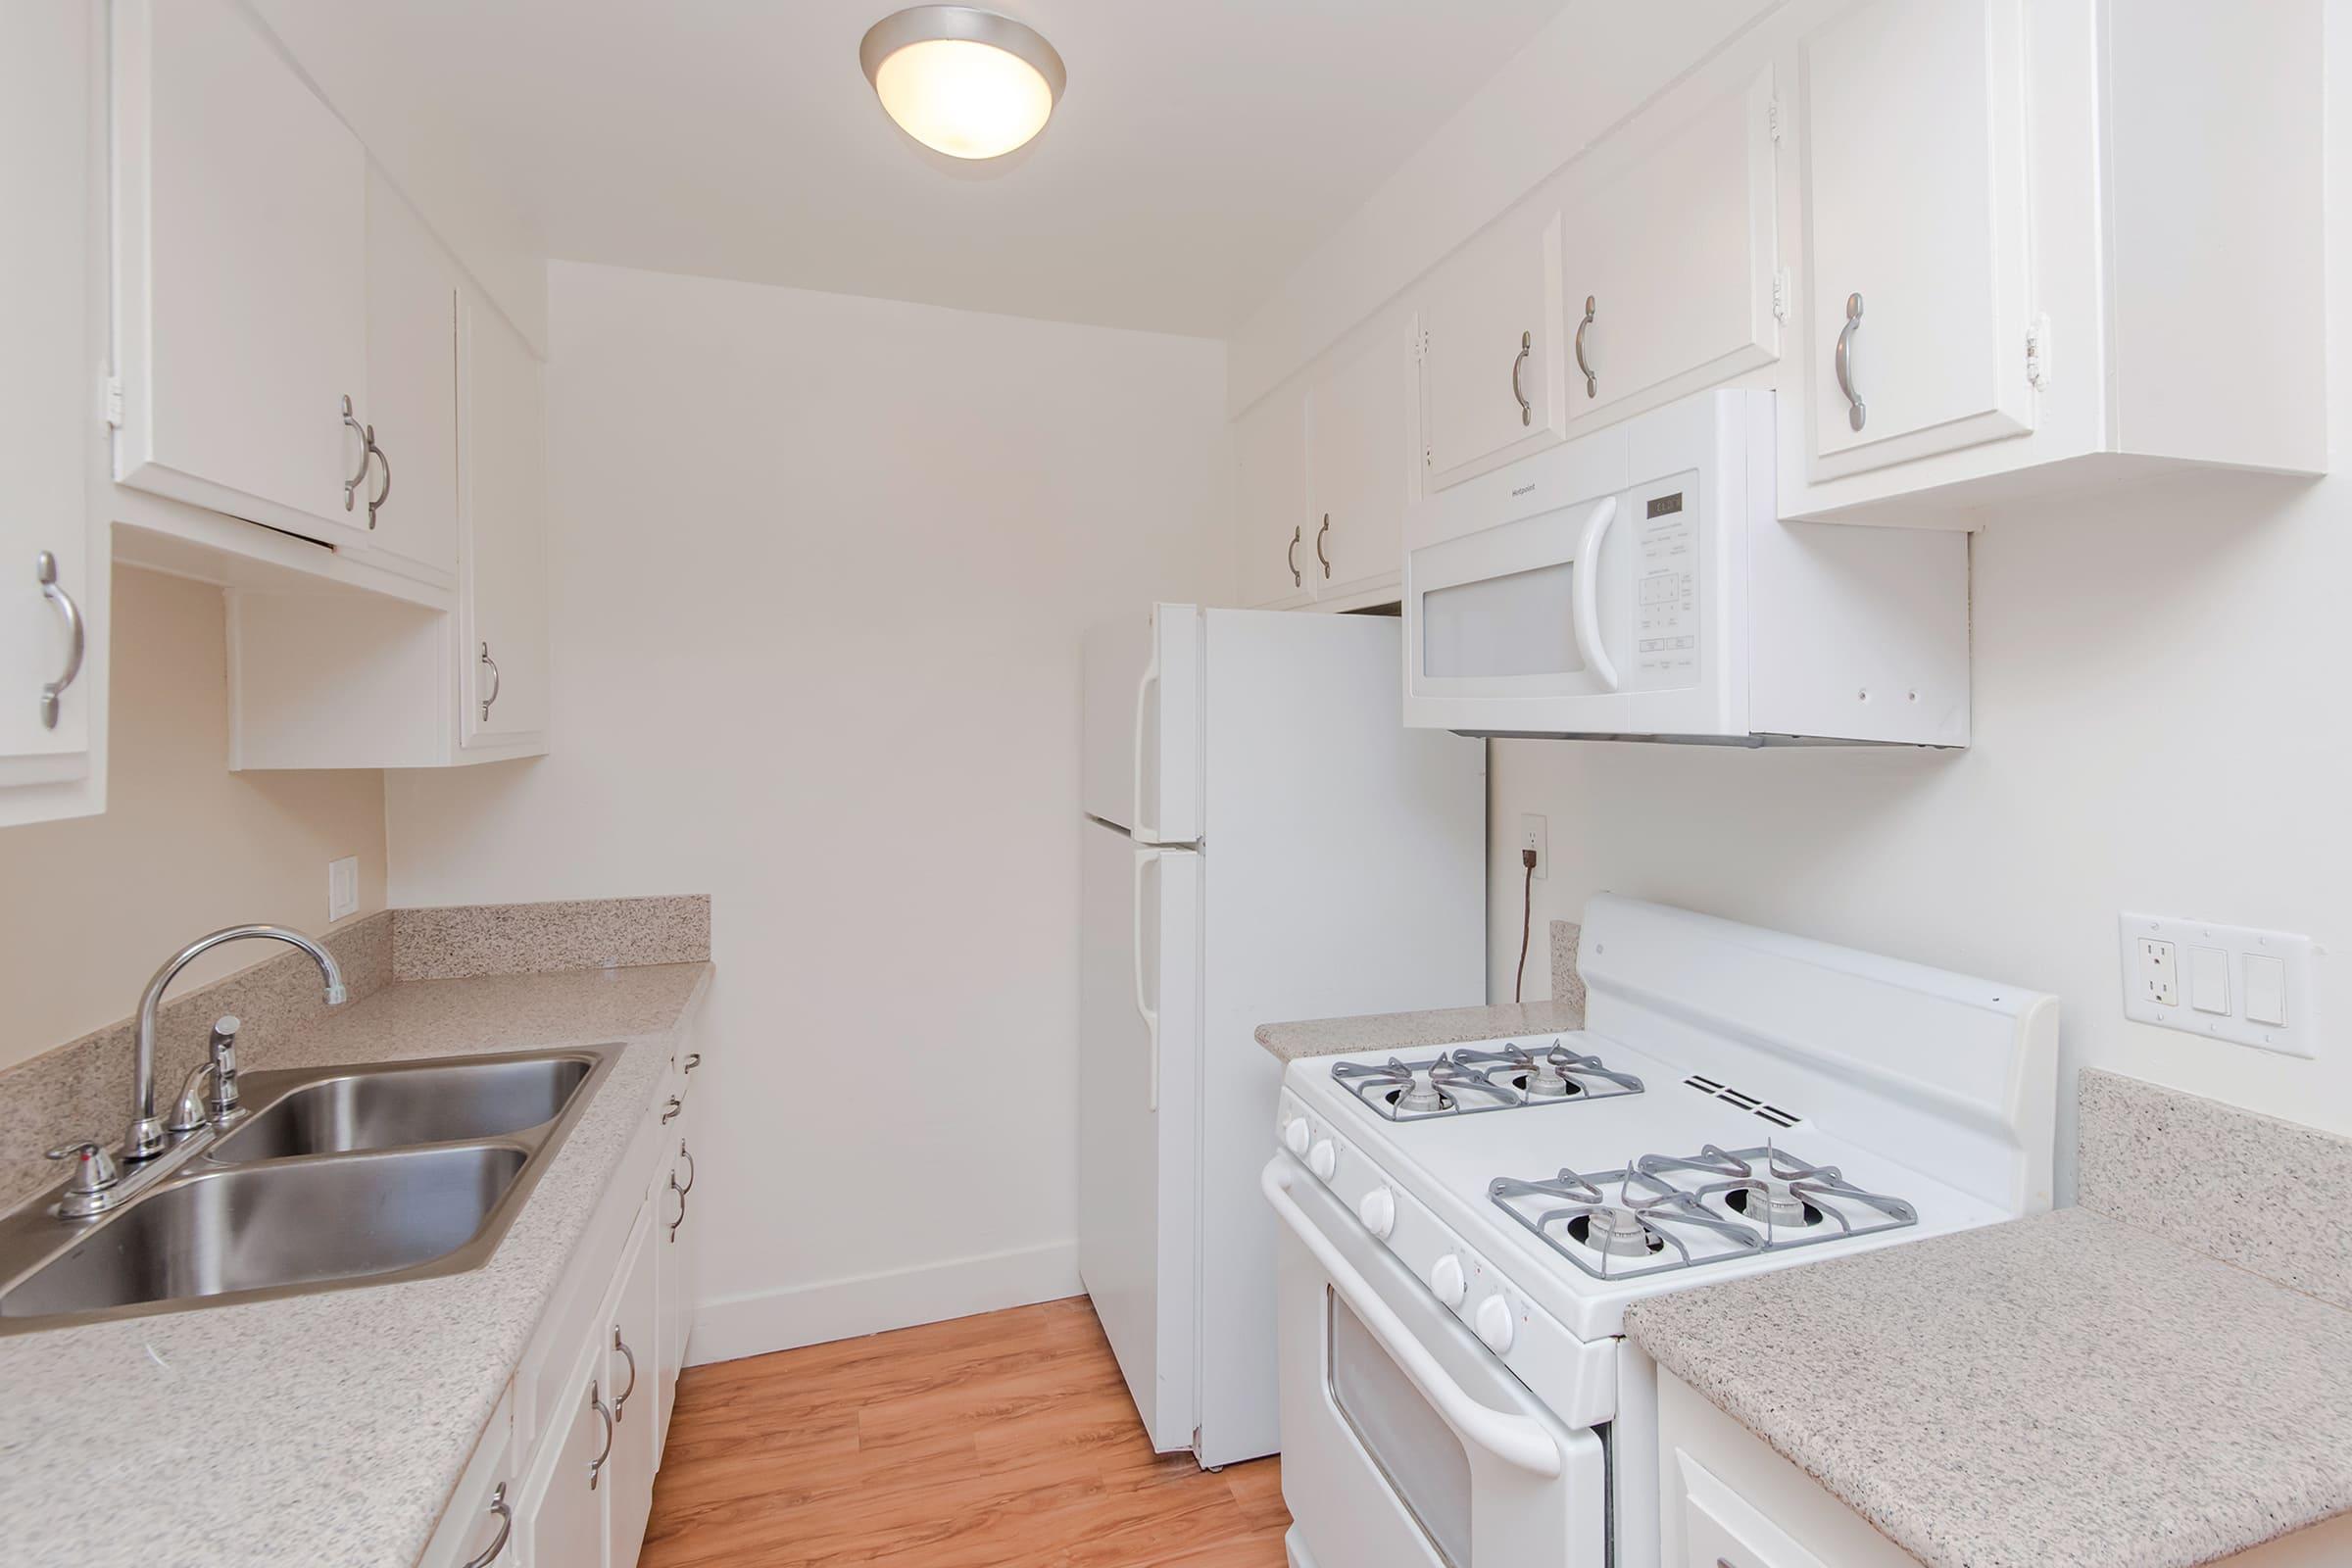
pixel 392 1107
pixel 336 1177
pixel 261 1227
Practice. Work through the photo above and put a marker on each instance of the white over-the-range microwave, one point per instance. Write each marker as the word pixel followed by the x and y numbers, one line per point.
pixel 1637 583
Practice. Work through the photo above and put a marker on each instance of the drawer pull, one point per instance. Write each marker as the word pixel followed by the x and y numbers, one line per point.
pixel 689 1159
pixel 621 1401
pixel 383 492
pixel 682 1219
pixel 1319 554
pixel 1527 346
pixel 1857 413
pixel 1292 555
pixel 596 1466
pixel 694 1059
pixel 1592 381
pixel 505 1527
pixel 670 1112
pixel 351 486
pixel 497 682
pixel 44 569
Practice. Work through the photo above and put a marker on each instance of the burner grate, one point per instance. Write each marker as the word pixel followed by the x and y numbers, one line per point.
pixel 1464 1081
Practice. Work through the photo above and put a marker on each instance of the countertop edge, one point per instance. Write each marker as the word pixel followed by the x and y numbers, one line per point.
pixel 1407 1031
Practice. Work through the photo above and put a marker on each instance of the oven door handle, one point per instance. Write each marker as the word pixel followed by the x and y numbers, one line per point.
pixel 1588 594
pixel 1513 1438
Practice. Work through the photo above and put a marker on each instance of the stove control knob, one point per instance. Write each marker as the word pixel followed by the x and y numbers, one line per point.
pixel 1297 1136
pixel 1494 1324
pixel 1378 1211
pixel 1323 1159
pixel 1445 1278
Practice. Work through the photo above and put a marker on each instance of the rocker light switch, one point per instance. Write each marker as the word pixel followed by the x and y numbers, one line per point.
pixel 2266 990
pixel 2209 979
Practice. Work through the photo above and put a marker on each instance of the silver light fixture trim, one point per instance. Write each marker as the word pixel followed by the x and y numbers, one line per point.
pixel 962 24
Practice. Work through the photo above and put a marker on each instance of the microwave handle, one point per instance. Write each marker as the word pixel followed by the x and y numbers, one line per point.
pixel 1513 1438
pixel 1588 594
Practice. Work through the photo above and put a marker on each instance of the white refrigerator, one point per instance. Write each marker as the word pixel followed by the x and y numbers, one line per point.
pixel 1264 841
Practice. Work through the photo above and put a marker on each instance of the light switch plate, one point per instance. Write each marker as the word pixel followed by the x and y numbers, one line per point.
pixel 2246 986
pixel 342 887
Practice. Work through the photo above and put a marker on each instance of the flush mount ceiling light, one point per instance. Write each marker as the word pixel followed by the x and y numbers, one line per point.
pixel 962 82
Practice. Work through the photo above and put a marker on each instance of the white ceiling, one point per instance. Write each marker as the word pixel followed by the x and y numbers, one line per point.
pixel 1201 148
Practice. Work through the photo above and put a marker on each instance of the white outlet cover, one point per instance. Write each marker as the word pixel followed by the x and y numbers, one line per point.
pixel 2299 1036
pixel 343 888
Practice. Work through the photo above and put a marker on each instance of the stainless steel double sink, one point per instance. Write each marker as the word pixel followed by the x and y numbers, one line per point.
pixel 333 1177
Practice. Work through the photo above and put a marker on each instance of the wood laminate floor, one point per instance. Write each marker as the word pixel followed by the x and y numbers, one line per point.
pixel 1001 1440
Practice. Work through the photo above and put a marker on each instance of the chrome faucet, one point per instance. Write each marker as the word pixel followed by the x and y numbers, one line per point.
pixel 147 1137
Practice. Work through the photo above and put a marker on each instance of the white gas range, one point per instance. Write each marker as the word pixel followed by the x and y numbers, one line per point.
pixel 1463 1229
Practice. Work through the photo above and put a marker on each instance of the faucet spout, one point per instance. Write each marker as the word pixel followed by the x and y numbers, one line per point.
pixel 147 1135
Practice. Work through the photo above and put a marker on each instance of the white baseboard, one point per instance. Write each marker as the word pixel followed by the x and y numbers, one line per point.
pixel 755 1322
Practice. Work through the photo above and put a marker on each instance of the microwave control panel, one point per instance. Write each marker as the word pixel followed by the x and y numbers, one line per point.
pixel 1666 583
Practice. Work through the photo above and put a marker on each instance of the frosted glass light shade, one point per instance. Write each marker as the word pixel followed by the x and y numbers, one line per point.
pixel 965 82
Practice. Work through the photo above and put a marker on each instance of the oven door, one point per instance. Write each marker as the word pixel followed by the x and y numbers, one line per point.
pixel 1406 1442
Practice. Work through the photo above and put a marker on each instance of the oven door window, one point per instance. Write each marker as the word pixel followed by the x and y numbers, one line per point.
pixel 1417 1453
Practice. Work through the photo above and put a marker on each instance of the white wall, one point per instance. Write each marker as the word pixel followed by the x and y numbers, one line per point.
pixel 2158 719
pixel 820 568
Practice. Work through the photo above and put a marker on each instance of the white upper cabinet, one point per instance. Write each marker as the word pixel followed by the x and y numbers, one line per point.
pixel 502 594
pixel 2034 263
pixel 1358 468
pixel 411 504
pixel 1915 209
pixel 53 559
pixel 1271 501
pixel 1490 378
pixel 1669 260
pixel 241 240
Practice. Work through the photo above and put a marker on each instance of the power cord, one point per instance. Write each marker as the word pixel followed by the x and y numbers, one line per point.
pixel 1527 919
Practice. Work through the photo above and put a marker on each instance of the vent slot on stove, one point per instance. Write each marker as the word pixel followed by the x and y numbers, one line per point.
pixel 1746 1101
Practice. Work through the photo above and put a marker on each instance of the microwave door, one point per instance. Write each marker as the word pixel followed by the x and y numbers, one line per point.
pixel 1518 610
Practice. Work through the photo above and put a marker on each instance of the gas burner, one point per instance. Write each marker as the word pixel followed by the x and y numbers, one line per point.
pixel 1558 1074
pixel 1793 1200
pixel 1414 1091
pixel 1599 1220
pixel 1652 1216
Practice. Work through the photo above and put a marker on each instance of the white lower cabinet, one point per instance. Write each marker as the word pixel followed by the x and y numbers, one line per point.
pixel 562 1476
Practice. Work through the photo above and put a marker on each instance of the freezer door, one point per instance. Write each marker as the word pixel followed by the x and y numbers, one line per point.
pixel 1137 1071
pixel 1141 757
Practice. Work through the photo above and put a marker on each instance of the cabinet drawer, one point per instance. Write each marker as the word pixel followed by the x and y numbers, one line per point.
pixel 1721 1530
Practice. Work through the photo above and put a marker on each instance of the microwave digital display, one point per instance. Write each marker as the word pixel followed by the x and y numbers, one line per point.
pixel 1666 506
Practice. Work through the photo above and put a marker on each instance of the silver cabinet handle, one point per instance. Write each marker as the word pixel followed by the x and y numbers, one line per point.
pixel 596 1466
pixel 505 1527
pixel 694 1059
pixel 384 494
pixel 670 1113
pixel 1292 556
pixel 1527 346
pixel 1592 381
pixel 682 1219
pixel 1856 412
pixel 1319 554
pixel 497 682
pixel 689 1159
pixel 621 1401
pixel 44 567
pixel 351 486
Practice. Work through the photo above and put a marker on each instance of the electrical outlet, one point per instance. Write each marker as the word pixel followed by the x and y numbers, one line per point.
pixel 1531 836
pixel 2249 987
pixel 2159 973
pixel 342 887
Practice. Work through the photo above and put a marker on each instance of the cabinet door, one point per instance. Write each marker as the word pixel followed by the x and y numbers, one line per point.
pixel 502 582
pixel 563 1517
pixel 412 389
pixel 633 1373
pixel 1491 352
pixel 1669 265
pixel 1915 213
pixel 241 295
pixel 46 406
pixel 1359 461
pixel 1270 480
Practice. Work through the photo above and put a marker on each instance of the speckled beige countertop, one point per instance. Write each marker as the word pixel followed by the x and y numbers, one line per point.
pixel 2061 1392
pixel 326 1429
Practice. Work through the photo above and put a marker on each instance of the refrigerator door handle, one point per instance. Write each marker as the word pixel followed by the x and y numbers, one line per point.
pixel 1148 679
pixel 1150 1013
